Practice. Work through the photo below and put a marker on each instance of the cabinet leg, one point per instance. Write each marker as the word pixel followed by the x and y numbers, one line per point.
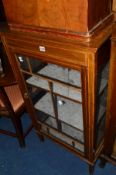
pixel 91 169
pixel 41 137
pixel 102 163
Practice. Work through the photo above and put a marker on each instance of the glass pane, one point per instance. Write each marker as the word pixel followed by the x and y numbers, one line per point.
pixel 66 91
pixel 38 82
pixel 71 118
pixel 35 64
pixel 62 74
pixel 23 62
pixel 72 132
pixel 103 78
pixel 100 131
pixel 101 107
pixel 70 112
pixel 45 106
pixel 101 103
pixel 71 142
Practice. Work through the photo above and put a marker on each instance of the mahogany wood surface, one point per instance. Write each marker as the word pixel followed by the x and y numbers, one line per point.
pixel 114 5
pixel 7 77
pixel 114 150
pixel 81 16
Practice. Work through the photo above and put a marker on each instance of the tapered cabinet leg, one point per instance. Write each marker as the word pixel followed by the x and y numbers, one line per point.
pixel 102 163
pixel 91 169
pixel 41 137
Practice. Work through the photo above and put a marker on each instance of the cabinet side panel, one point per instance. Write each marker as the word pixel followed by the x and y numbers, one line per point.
pixel 98 11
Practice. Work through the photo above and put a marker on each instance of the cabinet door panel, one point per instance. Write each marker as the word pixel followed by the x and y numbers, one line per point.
pixel 56 94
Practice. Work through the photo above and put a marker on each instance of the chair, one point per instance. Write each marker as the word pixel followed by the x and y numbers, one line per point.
pixel 12 106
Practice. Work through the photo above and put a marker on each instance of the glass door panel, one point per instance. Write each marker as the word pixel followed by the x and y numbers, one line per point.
pixel 102 85
pixel 65 75
pixel 57 98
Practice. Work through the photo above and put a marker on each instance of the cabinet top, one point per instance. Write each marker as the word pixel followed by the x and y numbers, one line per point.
pixel 92 43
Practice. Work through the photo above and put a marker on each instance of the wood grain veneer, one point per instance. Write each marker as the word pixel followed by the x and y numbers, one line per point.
pixel 81 17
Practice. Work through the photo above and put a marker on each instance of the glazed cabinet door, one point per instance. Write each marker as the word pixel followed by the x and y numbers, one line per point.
pixel 57 96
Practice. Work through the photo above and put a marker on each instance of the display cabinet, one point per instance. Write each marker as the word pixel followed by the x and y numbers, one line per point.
pixel 60 57
pixel 64 85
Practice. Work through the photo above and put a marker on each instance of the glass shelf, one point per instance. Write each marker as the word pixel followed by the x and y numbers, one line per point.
pixel 62 74
pixel 74 144
pixel 58 88
pixel 45 105
pixel 38 82
pixel 72 132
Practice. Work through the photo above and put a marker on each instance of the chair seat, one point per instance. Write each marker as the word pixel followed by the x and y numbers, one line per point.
pixel 14 96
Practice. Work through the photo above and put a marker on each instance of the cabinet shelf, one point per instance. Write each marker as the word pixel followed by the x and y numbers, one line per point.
pixel 58 88
pixel 62 74
pixel 71 142
pixel 45 105
pixel 38 82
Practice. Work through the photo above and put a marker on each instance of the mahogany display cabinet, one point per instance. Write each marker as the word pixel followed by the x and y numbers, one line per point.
pixel 60 57
pixel 64 85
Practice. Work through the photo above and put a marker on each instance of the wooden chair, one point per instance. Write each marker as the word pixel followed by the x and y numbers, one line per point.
pixel 12 106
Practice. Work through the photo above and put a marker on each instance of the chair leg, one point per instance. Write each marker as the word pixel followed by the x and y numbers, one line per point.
pixel 19 130
pixel 41 137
